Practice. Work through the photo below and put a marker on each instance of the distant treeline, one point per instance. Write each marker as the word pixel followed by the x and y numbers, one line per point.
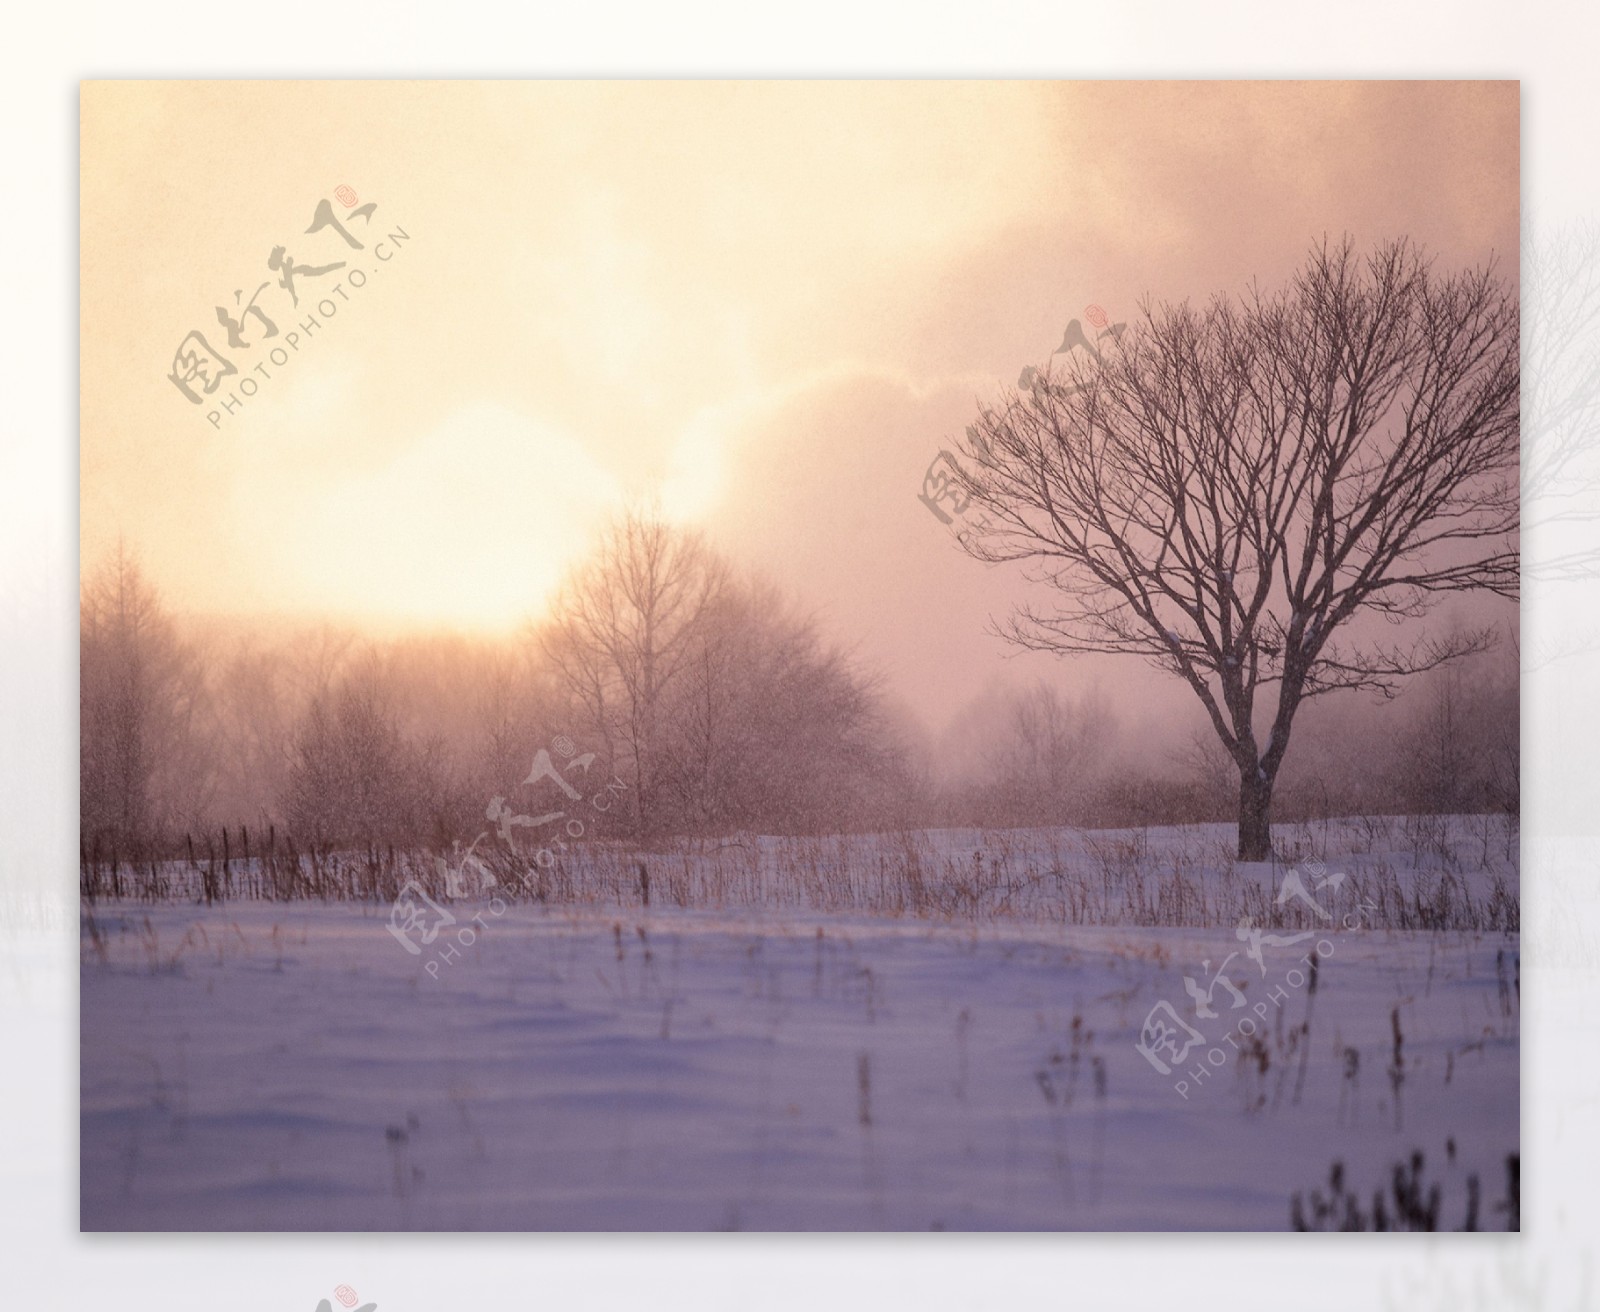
pixel 720 708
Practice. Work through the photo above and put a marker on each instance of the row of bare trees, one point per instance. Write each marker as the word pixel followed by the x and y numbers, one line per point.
pixel 1038 756
pixel 1256 496
pixel 728 714
pixel 715 702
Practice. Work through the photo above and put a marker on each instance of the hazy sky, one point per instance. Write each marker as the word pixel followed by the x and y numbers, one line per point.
pixel 768 305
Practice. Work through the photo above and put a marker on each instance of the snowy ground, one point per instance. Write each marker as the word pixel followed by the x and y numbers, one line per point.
pixel 292 1067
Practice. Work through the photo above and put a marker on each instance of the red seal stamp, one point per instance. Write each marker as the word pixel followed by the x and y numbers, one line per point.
pixel 347 195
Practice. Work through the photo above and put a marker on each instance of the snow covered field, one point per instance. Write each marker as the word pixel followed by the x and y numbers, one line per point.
pixel 291 1066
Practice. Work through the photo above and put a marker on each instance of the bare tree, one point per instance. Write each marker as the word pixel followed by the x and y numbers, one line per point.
pixel 709 720
pixel 719 704
pixel 1459 749
pixel 623 635
pixel 142 762
pixel 818 750
pixel 1051 753
pixel 354 775
pixel 1229 489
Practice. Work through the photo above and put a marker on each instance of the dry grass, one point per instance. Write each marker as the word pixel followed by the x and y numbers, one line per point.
pixel 1405 874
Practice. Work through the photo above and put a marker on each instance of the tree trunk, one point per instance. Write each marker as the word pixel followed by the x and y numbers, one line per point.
pixel 1255 815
